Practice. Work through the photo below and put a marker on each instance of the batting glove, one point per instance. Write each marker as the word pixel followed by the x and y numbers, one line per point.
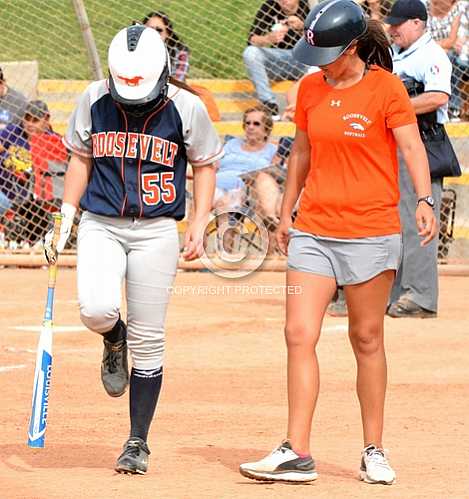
pixel 68 213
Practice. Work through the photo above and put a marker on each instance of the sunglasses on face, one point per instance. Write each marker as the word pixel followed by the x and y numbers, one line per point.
pixel 255 123
pixel 160 30
pixel 31 118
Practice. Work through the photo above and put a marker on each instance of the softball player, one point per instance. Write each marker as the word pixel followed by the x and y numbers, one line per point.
pixel 349 118
pixel 131 137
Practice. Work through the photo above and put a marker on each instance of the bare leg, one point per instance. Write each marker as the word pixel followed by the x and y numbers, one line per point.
pixel 366 305
pixel 231 201
pixel 305 312
pixel 267 193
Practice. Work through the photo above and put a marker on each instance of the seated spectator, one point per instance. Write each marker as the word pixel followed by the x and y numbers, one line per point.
pixel 178 51
pixel 179 54
pixel 448 24
pixel 244 156
pixel 26 150
pixel 4 203
pixel 12 104
pixel 48 153
pixel 15 162
pixel 277 26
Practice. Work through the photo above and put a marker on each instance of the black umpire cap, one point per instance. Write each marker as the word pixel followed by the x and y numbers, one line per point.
pixel 330 28
pixel 403 10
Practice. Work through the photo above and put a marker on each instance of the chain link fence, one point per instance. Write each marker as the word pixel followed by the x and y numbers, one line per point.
pixel 51 49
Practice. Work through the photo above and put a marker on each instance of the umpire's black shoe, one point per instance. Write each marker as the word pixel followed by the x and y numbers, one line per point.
pixel 114 367
pixel 134 459
pixel 405 307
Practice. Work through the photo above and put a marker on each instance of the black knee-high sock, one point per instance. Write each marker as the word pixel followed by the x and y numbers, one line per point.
pixel 117 333
pixel 145 388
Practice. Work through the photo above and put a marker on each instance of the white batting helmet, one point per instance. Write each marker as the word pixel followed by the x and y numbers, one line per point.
pixel 138 65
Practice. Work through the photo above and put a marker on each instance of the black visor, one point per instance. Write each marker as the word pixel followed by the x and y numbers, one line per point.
pixel 330 28
pixel 316 56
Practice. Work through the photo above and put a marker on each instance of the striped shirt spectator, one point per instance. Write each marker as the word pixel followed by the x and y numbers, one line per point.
pixel 448 24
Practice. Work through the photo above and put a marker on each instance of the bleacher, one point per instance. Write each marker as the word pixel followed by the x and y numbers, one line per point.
pixel 232 98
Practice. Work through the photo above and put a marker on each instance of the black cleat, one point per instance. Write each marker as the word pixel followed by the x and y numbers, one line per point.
pixel 134 459
pixel 114 367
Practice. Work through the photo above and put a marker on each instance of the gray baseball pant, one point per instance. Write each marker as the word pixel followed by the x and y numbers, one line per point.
pixel 144 253
pixel 417 277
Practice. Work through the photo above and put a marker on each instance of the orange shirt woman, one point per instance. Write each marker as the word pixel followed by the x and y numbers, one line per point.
pixel 351 117
pixel 352 189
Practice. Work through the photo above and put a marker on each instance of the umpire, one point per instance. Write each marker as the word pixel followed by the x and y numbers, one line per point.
pixel 425 69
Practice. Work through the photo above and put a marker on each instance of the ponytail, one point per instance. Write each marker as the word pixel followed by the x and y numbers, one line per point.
pixel 373 46
pixel 181 84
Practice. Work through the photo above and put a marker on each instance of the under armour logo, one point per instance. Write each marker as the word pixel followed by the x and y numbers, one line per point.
pixel 131 82
pixel 335 103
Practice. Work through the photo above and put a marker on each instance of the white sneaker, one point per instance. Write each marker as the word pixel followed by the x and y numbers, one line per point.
pixel 282 464
pixel 375 468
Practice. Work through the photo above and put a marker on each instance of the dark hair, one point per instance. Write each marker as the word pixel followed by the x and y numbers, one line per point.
pixel 1 75
pixel 173 42
pixel 374 47
pixel 182 84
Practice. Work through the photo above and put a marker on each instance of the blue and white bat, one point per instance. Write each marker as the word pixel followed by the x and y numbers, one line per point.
pixel 43 371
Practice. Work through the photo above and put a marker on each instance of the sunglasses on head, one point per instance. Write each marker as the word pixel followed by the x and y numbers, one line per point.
pixel 255 123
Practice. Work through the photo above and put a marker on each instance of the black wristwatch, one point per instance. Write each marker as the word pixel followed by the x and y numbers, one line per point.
pixel 427 199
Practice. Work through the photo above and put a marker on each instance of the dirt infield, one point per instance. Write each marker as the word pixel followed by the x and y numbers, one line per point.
pixel 224 399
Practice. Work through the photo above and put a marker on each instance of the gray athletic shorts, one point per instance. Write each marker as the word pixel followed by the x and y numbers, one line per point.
pixel 348 261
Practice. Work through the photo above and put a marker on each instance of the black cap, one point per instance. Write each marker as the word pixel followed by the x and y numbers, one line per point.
pixel 37 108
pixel 403 10
pixel 330 28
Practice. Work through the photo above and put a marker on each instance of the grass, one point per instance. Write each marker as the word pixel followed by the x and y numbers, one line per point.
pixel 47 31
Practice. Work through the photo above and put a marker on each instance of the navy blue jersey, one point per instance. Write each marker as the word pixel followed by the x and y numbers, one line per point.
pixel 139 164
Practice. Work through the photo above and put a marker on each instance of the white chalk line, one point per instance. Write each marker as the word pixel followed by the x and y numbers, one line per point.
pixel 19 350
pixel 4 369
pixel 56 329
